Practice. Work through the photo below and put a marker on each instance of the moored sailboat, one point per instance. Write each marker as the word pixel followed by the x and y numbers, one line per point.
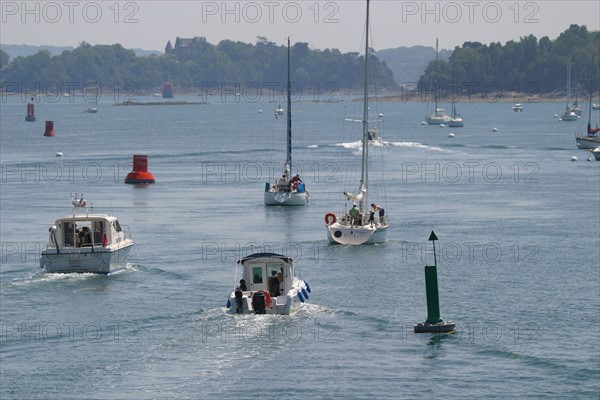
pixel 439 115
pixel 591 139
pixel 569 115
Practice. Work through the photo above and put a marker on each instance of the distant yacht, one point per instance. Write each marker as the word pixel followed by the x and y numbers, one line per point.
pixel 439 115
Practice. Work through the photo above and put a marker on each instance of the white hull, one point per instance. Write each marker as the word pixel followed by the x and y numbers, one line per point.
pixel 596 153
pixel 281 305
pixel 286 198
pixel 268 286
pixel 456 123
pixel 570 117
pixel 587 142
pixel 100 260
pixel 437 119
pixel 355 235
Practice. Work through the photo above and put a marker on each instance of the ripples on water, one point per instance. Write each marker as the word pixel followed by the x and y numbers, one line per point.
pixel 517 257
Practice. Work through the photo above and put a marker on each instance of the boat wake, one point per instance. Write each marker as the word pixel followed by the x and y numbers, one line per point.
pixel 41 277
pixel 357 146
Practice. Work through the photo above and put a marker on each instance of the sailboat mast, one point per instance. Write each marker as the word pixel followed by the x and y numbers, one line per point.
pixel 591 94
pixel 364 178
pixel 569 82
pixel 436 74
pixel 289 113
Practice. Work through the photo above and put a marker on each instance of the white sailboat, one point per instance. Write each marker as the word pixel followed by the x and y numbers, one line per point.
pixel 591 139
pixel 456 121
pixel 569 115
pixel 439 115
pixel 357 226
pixel 288 190
pixel 279 111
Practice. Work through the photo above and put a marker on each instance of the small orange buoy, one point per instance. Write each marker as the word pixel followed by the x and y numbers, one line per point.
pixel 49 129
pixel 140 174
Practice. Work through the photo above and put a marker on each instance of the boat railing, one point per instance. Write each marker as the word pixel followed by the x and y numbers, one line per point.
pixel 127 232
pixel 362 219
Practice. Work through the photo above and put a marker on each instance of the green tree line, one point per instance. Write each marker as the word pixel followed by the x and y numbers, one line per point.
pixel 529 66
pixel 227 64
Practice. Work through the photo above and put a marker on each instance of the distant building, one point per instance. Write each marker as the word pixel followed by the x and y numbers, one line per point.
pixel 186 48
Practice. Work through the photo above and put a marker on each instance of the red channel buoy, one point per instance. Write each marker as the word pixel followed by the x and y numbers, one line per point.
pixel 140 174
pixel 49 129
pixel 30 112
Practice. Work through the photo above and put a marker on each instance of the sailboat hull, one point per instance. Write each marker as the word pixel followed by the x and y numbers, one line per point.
pixel 437 119
pixel 355 235
pixel 456 123
pixel 587 142
pixel 286 199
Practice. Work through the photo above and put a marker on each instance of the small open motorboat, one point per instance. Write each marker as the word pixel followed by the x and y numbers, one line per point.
pixel 269 285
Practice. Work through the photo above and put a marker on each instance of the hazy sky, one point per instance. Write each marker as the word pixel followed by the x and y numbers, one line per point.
pixel 323 24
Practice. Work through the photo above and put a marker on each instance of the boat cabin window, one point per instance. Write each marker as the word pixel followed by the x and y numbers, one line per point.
pixel 98 231
pixel 117 226
pixel 71 239
pixel 273 269
pixel 257 275
pixel 275 278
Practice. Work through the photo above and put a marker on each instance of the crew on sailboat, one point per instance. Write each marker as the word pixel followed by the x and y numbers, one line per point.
pixel 296 181
pixel 377 209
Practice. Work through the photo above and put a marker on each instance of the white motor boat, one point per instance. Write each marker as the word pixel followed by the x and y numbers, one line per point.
pixel 374 137
pixel 288 190
pixel 596 153
pixel 84 242
pixel 269 285
pixel 518 107
pixel 357 226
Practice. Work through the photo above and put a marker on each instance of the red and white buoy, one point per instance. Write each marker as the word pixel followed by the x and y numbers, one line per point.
pixel 140 174
pixel 49 129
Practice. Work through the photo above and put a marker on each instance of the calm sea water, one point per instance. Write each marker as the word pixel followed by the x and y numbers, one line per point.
pixel 518 226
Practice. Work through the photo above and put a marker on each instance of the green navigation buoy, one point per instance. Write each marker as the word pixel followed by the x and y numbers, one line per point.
pixel 434 322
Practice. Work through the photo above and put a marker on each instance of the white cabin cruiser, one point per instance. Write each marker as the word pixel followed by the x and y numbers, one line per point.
pixel 269 285
pixel 84 242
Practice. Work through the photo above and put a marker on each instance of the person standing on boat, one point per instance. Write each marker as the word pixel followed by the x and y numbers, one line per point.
pixel 355 214
pixel 283 184
pixel 243 285
pixel 377 208
pixel 295 181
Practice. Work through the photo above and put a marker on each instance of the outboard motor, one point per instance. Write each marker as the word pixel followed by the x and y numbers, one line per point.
pixel 259 303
